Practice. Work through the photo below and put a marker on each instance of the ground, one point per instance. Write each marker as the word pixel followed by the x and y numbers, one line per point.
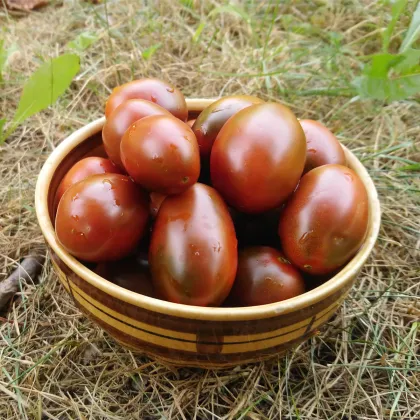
pixel 364 364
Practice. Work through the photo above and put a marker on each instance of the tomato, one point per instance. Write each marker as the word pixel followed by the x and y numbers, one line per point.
pixel 258 157
pixel 322 147
pixel 193 250
pixel 265 276
pixel 102 217
pixel 324 223
pixel 191 122
pixel 83 169
pixel 161 154
pixel 208 124
pixel 121 119
pixel 153 90
pixel 156 201
pixel 129 273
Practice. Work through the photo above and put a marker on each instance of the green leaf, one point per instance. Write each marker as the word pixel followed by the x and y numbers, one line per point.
pixel 2 123
pixel 187 3
pixel 413 167
pixel 45 85
pixel 413 31
pixel 410 61
pixel 398 7
pixel 197 33
pixel 390 89
pixel 149 52
pixel 83 41
pixel 235 10
pixel 381 64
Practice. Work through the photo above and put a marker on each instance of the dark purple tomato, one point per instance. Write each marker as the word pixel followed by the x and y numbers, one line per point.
pixel 156 201
pixel 128 273
pixel 191 122
pixel 210 121
pixel 83 169
pixel 161 154
pixel 102 217
pixel 193 251
pixel 153 90
pixel 258 157
pixel 322 147
pixel 324 223
pixel 121 119
pixel 265 276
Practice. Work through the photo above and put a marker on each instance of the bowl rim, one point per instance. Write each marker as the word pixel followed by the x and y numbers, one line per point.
pixel 337 282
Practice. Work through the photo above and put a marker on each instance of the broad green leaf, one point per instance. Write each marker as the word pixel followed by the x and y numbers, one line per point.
pixel 149 52
pixel 380 64
pixel 390 89
pixel 410 60
pixel 83 41
pixel 413 31
pixel 46 85
pixel 197 33
pixel 398 7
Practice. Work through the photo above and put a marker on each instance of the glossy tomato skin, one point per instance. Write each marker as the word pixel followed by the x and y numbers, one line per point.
pixel 210 121
pixel 156 201
pixel 121 119
pixel 265 276
pixel 128 273
pixel 325 221
pixel 153 90
pixel 83 169
pixel 193 251
pixel 322 147
pixel 161 154
pixel 258 157
pixel 102 217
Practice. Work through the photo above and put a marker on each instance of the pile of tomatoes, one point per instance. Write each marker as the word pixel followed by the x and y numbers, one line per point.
pixel 246 205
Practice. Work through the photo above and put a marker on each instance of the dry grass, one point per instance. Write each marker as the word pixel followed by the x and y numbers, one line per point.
pixel 364 364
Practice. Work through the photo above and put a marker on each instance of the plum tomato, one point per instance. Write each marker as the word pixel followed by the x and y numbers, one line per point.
pixel 128 273
pixel 322 147
pixel 325 221
pixel 81 170
pixel 258 157
pixel 161 154
pixel 208 124
pixel 153 90
pixel 121 119
pixel 156 201
pixel 193 250
pixel 265 276
pixel 102 217
pixel 190 122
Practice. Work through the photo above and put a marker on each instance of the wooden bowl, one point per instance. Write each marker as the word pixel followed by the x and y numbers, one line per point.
pixel 181 334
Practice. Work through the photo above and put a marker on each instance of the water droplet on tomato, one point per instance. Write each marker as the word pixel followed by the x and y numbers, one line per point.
pixel 307 266
pixel 348 177
pixel 75 217
pixel 305 237
pixel 153 98
pixel 108 183
pixel 75 197
pixel 170 90
pixel 117 202
pixel 312 151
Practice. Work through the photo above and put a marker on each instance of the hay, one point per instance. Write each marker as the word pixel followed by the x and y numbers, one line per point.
pixel 365 363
